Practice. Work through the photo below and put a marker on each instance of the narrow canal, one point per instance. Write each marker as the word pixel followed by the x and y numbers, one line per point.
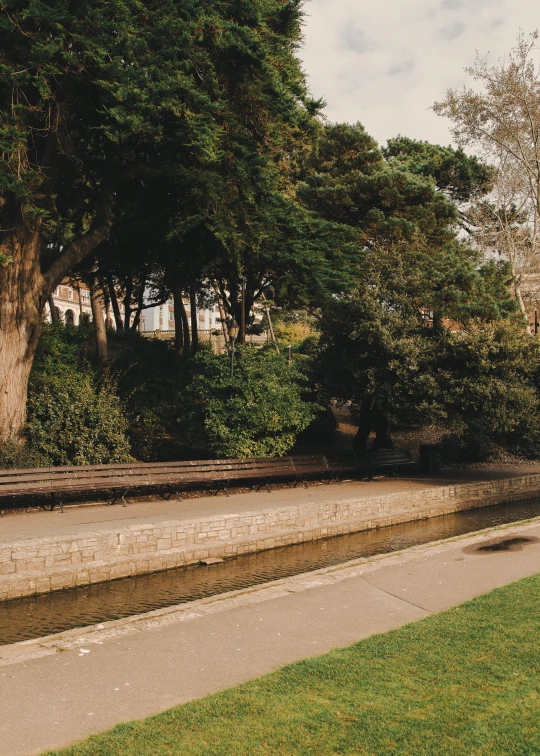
pixel 36 616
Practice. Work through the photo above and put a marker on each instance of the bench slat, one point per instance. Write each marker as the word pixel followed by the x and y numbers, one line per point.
pixel 72 481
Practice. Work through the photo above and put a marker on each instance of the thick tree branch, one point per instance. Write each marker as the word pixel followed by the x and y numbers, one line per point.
pixel 81 247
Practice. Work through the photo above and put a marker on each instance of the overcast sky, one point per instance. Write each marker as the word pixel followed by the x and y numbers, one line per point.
pixel 384 62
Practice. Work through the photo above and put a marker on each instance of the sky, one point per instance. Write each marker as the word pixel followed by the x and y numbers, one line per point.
pixel 385 62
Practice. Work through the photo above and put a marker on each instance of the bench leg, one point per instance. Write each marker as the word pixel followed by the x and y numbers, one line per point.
pixel 172 492
pixel 114 498
pixel 223 488
pixel 53 501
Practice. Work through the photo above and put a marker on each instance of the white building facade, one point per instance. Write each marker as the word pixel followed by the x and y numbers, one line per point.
pixel 161 318
pixel 71 303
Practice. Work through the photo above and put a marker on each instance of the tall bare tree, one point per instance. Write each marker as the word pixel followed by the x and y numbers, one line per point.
pixel 501 121
pixel 504 224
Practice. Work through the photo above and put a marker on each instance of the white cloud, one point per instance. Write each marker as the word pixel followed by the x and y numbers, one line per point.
pixel 355 39
pixel 384 64
pixel 453 30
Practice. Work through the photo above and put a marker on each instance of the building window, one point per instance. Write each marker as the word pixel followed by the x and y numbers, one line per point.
pixel 69 317
pixel 85 296
pixel 70 295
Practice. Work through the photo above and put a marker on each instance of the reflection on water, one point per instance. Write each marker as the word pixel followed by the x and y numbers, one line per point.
pixel 33 617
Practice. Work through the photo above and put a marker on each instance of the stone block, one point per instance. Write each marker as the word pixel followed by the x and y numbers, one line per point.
pixel 63 580
pixel 82 577
pixel 120 570
pixel 99 575
pixel 61 560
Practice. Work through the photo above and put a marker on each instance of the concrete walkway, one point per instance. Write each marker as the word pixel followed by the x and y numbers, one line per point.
pixel 58 691
pixel 25 525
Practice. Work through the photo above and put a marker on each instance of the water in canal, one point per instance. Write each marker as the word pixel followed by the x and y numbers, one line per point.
pixel 36 616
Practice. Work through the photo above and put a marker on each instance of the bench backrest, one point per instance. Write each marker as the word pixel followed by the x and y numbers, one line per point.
pixel 155 473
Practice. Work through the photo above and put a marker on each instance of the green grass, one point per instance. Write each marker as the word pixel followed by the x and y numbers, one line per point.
pixel 464 682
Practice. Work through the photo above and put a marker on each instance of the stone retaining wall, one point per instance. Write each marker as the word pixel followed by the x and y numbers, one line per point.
pixel 41 565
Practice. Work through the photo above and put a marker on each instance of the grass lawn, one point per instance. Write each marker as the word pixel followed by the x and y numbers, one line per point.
pixel 459 683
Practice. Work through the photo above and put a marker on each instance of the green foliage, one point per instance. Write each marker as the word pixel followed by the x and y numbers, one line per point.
pixel 193 402
pixel 19 456
pixel 349 181
pixel 372 352
pixel 74 414
pixel 151 379
pixel 462 177
pixel 291 328
pixel 486 378
pixel 477 383
pixel 257 413
pixel 390 344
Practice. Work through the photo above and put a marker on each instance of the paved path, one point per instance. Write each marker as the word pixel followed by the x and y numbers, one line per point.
pixel 21 525
pixel 140 666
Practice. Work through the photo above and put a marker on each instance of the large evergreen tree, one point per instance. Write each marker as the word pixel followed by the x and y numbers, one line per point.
pixel 95 96
pixel 383 344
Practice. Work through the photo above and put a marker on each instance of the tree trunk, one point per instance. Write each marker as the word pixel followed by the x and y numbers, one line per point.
pixel 106 305
pixel 179 317
pixel 114 303
pixel 100 331
pixel 178 329
pixel 242 334
pixel 127 306
pixel 371 418
pixel 521 305
pixel 53 310
pixel 21 306
pixel 518 294
pixel 222 315
pixel 271 328
pixel 383 440
pixel 78 287
pixel 138 311
pixel 194 325
pixel 364 428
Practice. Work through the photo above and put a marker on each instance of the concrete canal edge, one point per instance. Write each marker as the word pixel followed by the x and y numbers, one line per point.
pixel 67 640
pixel 42 565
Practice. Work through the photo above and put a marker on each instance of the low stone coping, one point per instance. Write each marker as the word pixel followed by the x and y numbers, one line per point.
pixel 41 565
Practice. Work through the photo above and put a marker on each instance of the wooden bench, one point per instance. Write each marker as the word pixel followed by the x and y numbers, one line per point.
pixel 52 486
pixel 393 460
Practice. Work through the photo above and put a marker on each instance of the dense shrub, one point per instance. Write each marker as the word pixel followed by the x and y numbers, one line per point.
pixel 479 384
pixel 257 413
pixel 151 377
pixel 487 386
pixel 74 414
pixel 15 455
